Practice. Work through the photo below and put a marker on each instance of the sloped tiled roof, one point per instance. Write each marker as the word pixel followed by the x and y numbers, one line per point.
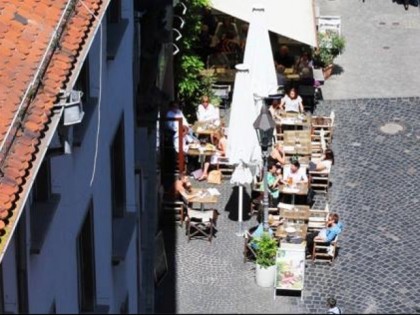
pixel 34 67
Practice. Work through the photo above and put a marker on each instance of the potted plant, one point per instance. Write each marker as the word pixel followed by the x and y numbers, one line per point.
pixel 330 45
pixel 266 250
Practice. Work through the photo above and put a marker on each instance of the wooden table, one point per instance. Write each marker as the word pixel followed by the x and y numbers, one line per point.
pixel 201 196
pixel 222 75
pixel 301 214
pixel 293 119
pixel 301 189
pixel 205 151
pixel 204 128
pixel 301 231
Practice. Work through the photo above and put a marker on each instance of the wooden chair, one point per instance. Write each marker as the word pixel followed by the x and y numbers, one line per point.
pixel 224 166
pixel 222 91
pixel 326 123
pixel 200 223
pixel 320 181
pixel 325 252
pixel 249 251
pixel 173 211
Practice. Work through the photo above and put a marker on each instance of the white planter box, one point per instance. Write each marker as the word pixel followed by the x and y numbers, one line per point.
pixel 265 276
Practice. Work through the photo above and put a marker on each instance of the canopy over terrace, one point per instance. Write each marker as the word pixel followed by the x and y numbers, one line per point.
pixel 294 19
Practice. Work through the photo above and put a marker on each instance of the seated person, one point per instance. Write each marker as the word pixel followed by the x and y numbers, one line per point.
pixel 275 108
pixel 207 112
pixel 281 77
pixel 175 112
pixel 220 141
pixel 327 160
pixel 304 61
pixel 295 174
pixel 277 155
pixel 292 102
pixel 225 28
pixel 259 230
pixel 327 235
pixel 306 77
pixel 181 186
pixel 274 179
pixel 218 59
pixel 282 57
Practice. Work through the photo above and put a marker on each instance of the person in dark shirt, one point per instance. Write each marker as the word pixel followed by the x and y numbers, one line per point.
pixel 282 57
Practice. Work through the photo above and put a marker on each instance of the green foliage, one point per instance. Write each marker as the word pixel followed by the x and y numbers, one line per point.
pixel 189 85
pixel 187 64
pixel 266 250
pixel 330 45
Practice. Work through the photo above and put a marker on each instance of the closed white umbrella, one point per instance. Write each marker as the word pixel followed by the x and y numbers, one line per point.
pixel 259 56
pixel 243 149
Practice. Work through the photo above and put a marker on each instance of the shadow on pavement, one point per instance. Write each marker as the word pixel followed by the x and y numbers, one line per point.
pixel 232 205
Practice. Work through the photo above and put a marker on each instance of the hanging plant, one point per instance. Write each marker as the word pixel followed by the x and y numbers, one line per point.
pixel 187 64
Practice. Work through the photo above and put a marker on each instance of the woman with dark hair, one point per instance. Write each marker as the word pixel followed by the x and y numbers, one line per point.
pixel 327 160
pixel 292 102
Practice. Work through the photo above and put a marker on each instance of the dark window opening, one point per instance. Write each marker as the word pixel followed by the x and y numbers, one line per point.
pixel 86 264
pixel 118 172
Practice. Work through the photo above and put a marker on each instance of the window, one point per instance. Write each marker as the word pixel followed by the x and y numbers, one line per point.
pixel 118 172
pixel 123 222
pixel 116 27
pixel 114 12
pixel 43 207
pixel 42 184
pixel 53 308
pixel 86 264
pixel 124 308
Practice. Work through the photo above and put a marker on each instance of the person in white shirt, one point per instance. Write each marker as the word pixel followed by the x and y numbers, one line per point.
pixel 332 306
pixel 295 174
pixel 207 112
pixel 292 102
pixel 173 125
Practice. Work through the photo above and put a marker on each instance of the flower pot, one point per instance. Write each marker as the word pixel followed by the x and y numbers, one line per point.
pixel 265 276
pixel 327 71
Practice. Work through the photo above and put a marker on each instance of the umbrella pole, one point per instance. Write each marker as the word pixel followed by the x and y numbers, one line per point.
pixel 240 210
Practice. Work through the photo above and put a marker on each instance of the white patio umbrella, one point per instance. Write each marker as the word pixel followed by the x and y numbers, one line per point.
pixel 243 149
pixel 259 56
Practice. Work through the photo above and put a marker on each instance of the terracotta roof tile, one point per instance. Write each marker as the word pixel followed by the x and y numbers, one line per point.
pixel 26 27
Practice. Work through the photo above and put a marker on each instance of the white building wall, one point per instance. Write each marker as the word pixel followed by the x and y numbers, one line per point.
pixel 52 274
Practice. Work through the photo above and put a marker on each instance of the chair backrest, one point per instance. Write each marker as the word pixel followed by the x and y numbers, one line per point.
pixel 323 142
pixel 221 90
pixel 332 116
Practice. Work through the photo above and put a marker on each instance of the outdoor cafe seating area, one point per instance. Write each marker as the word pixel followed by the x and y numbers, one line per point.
pixel 301 137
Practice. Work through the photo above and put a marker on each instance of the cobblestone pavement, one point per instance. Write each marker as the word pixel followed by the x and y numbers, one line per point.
pixel 381 57
pixel 375 190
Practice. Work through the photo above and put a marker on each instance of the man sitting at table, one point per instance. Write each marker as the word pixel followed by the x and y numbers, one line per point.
pixel 282 57
pixel 295 174
pixel 174 112
pixel 326 235
pixel 207 112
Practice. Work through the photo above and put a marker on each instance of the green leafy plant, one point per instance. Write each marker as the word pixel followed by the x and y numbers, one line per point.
pixel 330 45
pixel 187 64
pixel 266 250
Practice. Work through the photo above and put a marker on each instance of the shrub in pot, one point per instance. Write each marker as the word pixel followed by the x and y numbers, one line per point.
pixel 330 45
pixel 266 250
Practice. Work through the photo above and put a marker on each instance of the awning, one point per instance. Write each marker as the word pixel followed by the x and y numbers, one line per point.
pixel 294 19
